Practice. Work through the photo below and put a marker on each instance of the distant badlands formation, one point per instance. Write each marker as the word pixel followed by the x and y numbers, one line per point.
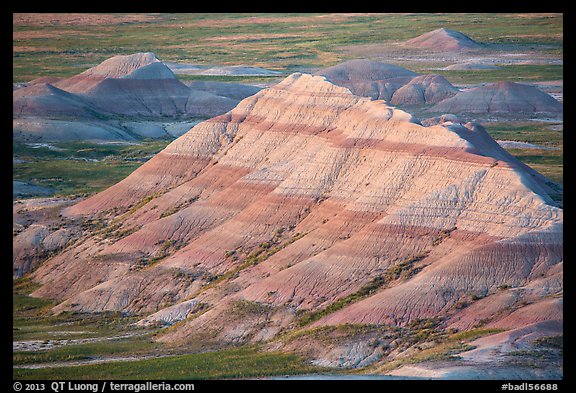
pixel 102 100
pixel 302 195
pixel 443 40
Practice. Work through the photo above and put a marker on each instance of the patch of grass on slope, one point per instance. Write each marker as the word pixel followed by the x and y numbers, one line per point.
pixel 402 270
pixel 448 349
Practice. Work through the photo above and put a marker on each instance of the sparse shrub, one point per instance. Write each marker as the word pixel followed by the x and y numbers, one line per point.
pixel 444 233
pixel 243 307
pixel 550 342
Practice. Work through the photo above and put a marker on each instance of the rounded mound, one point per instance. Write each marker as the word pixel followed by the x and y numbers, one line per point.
pixel 139 66
pixel 502 96
pixel 443 40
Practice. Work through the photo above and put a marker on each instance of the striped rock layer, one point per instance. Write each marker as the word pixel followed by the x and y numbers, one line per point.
pixel 299 197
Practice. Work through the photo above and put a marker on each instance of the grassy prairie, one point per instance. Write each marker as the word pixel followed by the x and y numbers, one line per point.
pixel 234 363
pixel 81 149
pixel 80 167
pixel 517 73
pixel 541 133
pixel 79 178
pixel 548 162
pixel 133 346
pixel 284 42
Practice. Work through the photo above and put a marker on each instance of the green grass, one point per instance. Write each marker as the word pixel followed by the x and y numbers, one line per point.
pixel 44 326
pixel 525 131
pixel 233 363
pixel 517 73
pixel 473 334
pixel 132 346
pixel 73 178
pixel 538 157
pixel 88 150
pixel 23 305
pixel 548 162
pixel 244 307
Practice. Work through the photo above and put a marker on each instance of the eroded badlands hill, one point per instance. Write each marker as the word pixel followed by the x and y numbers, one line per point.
pixel 308 207
pixel 392 83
